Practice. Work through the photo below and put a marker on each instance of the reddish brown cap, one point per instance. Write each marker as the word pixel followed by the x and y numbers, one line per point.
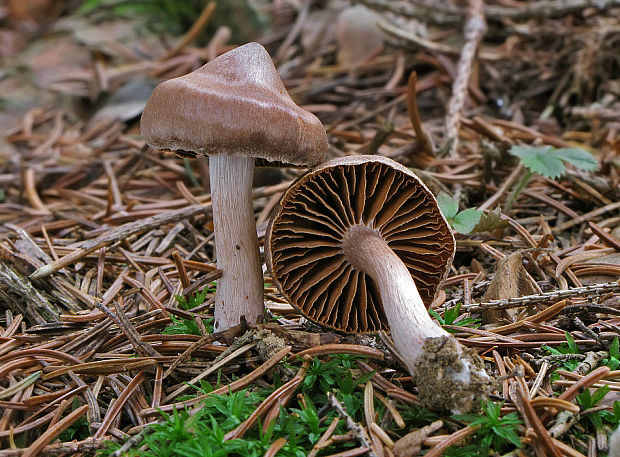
pixel 235 105
pixel 305 239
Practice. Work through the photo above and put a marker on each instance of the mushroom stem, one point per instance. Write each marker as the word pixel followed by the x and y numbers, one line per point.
pixel 448 375
pixel 240 289
pixel 410 323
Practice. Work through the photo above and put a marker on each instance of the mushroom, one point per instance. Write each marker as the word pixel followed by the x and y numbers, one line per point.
pixel 234 109
pixel 359 243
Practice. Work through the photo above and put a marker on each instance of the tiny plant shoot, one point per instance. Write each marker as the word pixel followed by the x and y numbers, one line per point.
pixel 493 430
pixel 451 317
pixel 547 161
pixel 463 221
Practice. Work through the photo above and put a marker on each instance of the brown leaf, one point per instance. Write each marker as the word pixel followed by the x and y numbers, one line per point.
pixel 510 281
pixel 490 220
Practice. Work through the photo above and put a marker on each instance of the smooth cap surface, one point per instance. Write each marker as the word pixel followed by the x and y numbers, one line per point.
pixel 304 241
pixel 235 105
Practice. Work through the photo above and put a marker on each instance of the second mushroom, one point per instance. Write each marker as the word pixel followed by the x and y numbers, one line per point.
pixel 234 109
pixel 358 244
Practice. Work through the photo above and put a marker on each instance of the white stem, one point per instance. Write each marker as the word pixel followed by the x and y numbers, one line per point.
pixel 410 323
pixel 240 289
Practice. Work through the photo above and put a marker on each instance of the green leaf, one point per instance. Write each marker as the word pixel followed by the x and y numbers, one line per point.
pixel 596 420
pixel 540 159
pixel 449 206
pixel 436 315
pixel 549 161
pixel 493 429
pixel 452 313
pixel 578 157
pixel 465 221
pixel 572 346
pixel 613 363
pixel 599 394
pixel 584 399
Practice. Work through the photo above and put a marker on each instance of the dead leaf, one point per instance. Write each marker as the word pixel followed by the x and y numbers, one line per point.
pixel 510 281
pixel 490 220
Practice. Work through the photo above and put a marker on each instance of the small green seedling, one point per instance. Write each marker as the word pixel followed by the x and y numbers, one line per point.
pixel 588 401
pixel 569 348
pixel 184 326
pixel 450 317
pixel 613 361
pixel 612 417
pixel 463 221
pixel 494 432
pixel 547 161
pixel 192 301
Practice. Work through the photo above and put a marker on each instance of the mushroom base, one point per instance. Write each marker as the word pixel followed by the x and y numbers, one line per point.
pixel 450 377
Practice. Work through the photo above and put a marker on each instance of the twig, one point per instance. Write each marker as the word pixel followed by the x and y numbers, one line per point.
pixel 586 331
pixel 356 428
pixel 446 14
pixel 475 28
pixel 18 293
pixel 89 445
pixel 132 441
pixel 119 233
pixel 528 300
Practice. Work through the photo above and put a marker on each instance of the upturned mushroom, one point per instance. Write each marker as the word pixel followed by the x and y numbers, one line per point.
pixel 234 109
pixel 359 243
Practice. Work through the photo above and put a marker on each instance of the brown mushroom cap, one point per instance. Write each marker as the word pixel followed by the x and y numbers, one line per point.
pixel 235 105
pixel 304 242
